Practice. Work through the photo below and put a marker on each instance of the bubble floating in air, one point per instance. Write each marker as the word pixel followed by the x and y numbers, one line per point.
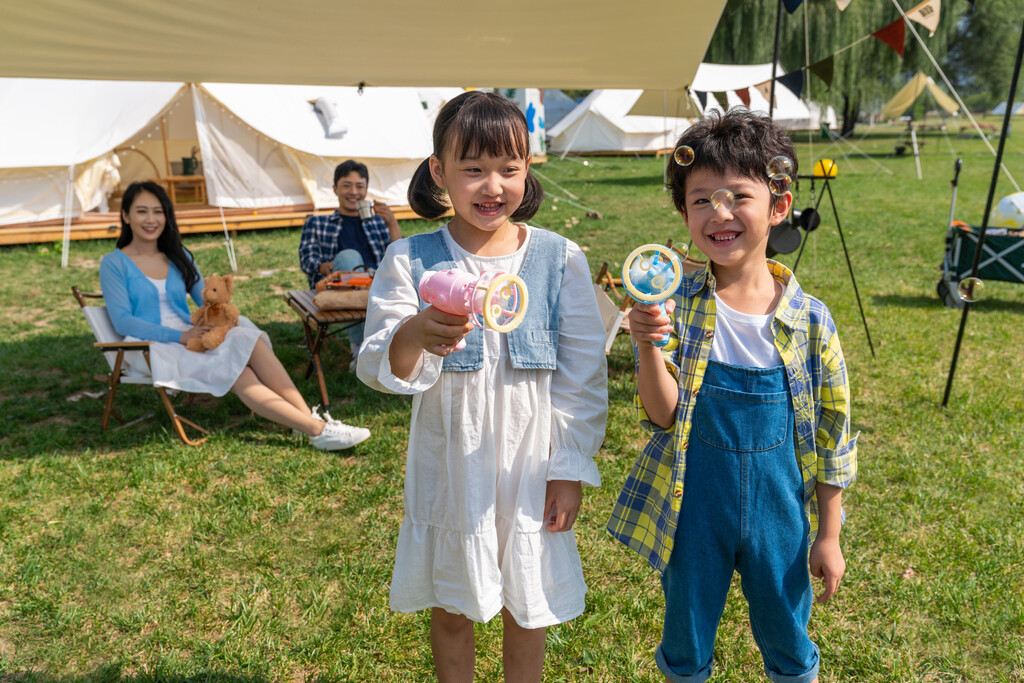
pixel 684 155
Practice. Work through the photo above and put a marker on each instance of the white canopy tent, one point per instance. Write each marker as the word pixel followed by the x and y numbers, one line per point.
pixel 389 42
pixel 602 123
pixel 790 111
pixel 67 144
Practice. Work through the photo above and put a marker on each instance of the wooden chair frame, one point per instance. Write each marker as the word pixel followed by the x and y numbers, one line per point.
pixel 116 377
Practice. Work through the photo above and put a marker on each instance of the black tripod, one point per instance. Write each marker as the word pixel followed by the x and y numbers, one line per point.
pixel 811 222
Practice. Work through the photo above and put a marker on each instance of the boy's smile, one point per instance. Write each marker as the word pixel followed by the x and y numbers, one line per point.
pixel 736 235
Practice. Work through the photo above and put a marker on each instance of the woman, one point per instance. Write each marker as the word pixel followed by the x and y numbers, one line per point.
pixel 145 281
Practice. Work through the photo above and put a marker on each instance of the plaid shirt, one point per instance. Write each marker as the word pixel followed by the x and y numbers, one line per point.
pixel 321 241
pixel 647 511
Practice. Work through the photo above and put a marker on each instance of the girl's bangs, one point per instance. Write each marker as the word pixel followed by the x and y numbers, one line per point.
pixel 489 130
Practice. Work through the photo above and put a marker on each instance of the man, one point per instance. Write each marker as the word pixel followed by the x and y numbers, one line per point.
pixel 344 241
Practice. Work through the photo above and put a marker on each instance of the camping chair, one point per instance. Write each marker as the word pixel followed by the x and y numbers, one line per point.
pixel 114 348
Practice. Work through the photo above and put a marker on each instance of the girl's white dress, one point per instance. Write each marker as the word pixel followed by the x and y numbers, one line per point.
pixel 482 447
pixel 211 372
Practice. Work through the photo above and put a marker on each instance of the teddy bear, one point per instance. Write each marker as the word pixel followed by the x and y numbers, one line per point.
pixel 216 311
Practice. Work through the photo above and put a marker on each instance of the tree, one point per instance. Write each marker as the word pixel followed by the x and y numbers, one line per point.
pixel 865 75
pixel 982 55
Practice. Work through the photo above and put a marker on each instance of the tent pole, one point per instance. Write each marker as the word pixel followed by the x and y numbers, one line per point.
pixel 988 211
pixel 68 198
pixel 163 136
pixel 775 60
pixel 917 152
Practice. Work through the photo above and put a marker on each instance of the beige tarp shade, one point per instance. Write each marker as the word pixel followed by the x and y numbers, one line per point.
pixel 677 103
pixel 909 93
pixel 655 44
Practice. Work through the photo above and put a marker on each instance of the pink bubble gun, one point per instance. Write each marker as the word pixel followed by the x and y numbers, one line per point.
pixel 499 297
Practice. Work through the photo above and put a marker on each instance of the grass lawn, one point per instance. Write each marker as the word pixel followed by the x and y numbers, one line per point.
pixel 125 555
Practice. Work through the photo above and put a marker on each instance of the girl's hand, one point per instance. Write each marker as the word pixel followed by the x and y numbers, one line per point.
pixel 561 503
pixel 648 324
pixel 827 563
pixel 439 332
pixel 197 331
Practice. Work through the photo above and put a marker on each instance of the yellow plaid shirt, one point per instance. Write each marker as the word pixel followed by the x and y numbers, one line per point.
pixel 647 511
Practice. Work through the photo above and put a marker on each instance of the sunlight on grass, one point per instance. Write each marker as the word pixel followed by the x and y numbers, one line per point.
pixel 125 555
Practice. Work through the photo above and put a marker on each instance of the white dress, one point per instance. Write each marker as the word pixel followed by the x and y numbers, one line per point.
pixel 482 447
pixel 211 372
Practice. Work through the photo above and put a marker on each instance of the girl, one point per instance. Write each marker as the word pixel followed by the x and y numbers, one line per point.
pixel 503 431
pixel 144 284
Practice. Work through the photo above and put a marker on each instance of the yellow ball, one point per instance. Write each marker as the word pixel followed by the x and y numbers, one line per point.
pixel 825 168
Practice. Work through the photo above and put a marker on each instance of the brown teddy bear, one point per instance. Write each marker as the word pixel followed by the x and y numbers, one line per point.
pixel 216 311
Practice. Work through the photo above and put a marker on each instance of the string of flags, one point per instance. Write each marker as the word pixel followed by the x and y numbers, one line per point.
pixel 893 34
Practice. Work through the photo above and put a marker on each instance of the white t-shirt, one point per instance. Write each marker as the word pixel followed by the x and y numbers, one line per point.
pixel 743 339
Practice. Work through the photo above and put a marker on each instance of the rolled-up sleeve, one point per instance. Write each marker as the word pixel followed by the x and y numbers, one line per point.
pixel 579 387
pixel 392 300
pixel 836 447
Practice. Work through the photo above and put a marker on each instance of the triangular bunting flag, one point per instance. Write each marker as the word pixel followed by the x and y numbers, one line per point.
pixel 791 5
pixel 926 14
pixel 794 80
pixel 744 95
pixel 722 99
pixel 824 70
pixel 893 35
pixel 766 90
pixel 702 97
pixel 842 4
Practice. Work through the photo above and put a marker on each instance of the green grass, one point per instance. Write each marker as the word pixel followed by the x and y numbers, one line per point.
pixel 125 555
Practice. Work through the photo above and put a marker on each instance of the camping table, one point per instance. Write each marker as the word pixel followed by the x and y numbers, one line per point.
pixel 198 181
pixel 317 324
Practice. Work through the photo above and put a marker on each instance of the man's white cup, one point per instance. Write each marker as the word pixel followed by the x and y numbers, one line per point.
pixel 365 208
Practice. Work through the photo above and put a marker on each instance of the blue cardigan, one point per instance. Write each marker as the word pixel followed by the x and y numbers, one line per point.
pixel 133 302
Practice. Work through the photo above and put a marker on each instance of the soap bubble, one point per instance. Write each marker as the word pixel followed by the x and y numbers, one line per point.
pixel 684 155
pixel 780 165
pixel 970 289
pixel 683 249
pixel 779 183
pixel 723 198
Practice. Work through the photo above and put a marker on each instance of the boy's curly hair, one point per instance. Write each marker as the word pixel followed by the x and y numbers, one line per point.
pixel 740 141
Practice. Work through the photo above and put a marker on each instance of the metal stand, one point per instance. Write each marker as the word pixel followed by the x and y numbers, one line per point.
pixel 853 280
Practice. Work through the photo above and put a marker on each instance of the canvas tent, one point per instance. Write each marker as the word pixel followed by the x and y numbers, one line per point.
pixel 556 106
pixel 260 145
pixel 602 123
pixel 908 94
pixel 391 42
pixel 1000 109
pixel 790 112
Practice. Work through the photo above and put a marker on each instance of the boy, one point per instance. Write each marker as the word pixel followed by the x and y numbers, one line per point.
pixel 748 405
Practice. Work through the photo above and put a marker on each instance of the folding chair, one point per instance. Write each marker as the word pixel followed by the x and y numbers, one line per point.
pixel 114 349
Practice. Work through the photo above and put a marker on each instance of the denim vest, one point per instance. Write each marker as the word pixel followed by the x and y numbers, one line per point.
pixel 533 345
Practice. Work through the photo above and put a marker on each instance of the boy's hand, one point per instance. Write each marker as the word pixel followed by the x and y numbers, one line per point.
pixel 827 563
pixel 561 503
pixel 648 324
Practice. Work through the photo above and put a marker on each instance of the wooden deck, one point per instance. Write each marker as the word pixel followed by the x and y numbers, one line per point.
pixel 191 219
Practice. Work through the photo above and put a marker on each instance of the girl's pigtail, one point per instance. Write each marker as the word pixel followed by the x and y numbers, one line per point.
pixel 425 197
pixel 532 199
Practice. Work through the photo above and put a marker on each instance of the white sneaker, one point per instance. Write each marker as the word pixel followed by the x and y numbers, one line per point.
pixel 316 416
pixel 338 436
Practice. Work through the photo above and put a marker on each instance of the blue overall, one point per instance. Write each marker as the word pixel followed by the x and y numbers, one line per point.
pixel 742 510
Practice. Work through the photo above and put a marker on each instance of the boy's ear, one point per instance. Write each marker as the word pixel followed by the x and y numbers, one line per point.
pixel 781 210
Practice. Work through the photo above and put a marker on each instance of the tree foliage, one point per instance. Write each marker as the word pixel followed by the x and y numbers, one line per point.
pixel 866 74
pixel 981 57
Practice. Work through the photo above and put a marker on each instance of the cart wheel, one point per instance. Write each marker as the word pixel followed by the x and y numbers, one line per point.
pixel 948 294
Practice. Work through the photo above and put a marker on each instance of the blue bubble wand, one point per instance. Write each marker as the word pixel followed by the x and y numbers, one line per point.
pixel 652 274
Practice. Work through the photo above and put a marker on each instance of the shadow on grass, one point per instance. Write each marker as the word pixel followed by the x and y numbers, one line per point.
pixel 44 374
pixel 981 307
pixel 113 674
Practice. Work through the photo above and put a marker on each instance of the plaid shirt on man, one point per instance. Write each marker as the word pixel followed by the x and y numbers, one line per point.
pixel 321 241
pixel 647 511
